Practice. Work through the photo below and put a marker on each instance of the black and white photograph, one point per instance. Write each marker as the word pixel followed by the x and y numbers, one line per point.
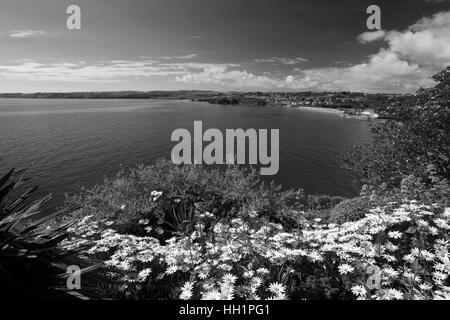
pixel 193 150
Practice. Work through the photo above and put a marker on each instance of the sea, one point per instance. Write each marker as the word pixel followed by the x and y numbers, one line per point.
pixel 68 144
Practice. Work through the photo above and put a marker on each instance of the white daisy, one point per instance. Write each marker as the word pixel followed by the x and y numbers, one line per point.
pixel 359 290
pixel 345 268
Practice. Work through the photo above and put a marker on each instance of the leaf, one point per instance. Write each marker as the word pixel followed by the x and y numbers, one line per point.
pixel 411 230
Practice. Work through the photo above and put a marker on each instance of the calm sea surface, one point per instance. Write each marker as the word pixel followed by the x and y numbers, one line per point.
pixel 71 143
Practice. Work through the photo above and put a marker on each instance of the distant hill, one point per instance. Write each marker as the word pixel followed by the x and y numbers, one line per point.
pixel 185 94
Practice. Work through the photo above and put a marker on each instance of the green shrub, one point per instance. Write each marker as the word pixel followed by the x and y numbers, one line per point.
pixel 350 210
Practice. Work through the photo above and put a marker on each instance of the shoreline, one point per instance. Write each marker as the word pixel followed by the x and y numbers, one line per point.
pixel 317 109
pixel 335 111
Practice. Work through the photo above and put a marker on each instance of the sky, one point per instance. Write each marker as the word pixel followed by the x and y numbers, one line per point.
pixel 244 45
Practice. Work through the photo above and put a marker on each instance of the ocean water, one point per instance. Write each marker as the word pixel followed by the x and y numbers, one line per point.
pixel 66 144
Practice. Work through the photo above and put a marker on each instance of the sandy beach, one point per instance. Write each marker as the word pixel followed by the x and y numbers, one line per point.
pixel 318 109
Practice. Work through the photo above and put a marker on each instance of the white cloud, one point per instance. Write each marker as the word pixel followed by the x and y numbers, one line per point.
pixel 384 72
pixel 407 63
pixel 185 57
pixel 370 36
pixel 24 33
pixel 222 75
pixel 103 71
pixel 285 61
pixel 427 42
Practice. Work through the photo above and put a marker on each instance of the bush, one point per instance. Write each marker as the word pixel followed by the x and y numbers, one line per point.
pixel 244 253
pixel 406 243
pixel 165 195
pixel 321 202
pixel 350 210
pixel 416 136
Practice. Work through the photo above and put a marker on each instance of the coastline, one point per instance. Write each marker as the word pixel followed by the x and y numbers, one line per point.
pixel 335 111
pixel 318 109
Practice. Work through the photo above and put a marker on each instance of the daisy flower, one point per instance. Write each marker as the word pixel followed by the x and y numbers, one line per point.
pixel 345 268
pixel 390 272
pixel 441 223
pixel 248 274
pixel 394 234
pixel 394 294
pixel 359 290
pixel 171 269
pixel 262 271
pixel 422 223
pixel 277 289
pixel 144 274
pixel 433 230
pixel 409 258
pixel 186 291
pixel 447 212
pixel 229 278
pixel 427 255
pixel 439 276
pixel 256 282
pixel 425 287
pixel 212 295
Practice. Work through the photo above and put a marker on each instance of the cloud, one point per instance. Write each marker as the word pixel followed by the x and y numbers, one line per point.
pixel 224 76
pixel 102 71
pixel 408 61
pixel 383 72
pixel 406 64
pixel 371 36
pixel 185 57
pixel 285 61
pixel 427 42
pixel 24 33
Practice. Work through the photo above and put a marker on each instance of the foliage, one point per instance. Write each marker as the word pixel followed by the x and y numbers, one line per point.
pixel 316 207
pixel 407 241
pixel 416 137
pixel 321 202
pixel 32 266
pixel 350 210
pixel 244 253
pixel 179 190
pixel 252 258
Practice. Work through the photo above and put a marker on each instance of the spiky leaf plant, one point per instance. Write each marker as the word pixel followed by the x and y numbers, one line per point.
pixel 32 266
